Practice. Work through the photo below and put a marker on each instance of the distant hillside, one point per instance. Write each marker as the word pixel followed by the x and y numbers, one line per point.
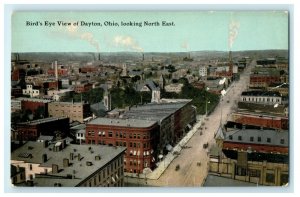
pixel 135 56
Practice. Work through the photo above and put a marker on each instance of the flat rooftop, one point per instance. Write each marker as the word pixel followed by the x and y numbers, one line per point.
pixel 136 123
pixel 154 111
pixel 41 121
pixel 77 167
pixel 244 135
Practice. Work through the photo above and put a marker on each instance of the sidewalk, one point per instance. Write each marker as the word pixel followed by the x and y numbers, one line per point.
pixel 163 165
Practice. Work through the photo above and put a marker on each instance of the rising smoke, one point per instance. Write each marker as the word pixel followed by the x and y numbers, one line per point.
pixel 233 32
pixel 74 32
pixel 127 42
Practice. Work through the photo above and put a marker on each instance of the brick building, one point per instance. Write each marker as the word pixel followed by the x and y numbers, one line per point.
pixel 31 130
pixel 52 85
pixel 83 87
pixel 61 165
pixel 36 106
pixel 60 72
pixel 88 69
pixel 75 111
pixel 174 119
pixel 267 121
pixel 139 136
pixel 18 74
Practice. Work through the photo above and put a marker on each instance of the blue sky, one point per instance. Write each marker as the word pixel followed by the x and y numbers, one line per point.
pixel 193 31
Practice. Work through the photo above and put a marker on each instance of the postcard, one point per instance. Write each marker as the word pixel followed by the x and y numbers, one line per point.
pixel 149 99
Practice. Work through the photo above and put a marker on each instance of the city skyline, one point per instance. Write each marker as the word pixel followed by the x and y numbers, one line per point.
pixel 191 31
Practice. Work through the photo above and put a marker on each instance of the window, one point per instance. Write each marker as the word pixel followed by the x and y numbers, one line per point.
pixel 121 134
pixel 130 144
pixel 239 138
pixel 251 139
pixel 30 166
pixel 254 173
pixel 284 179
pixel 259 139
pixel 110 134
pixel 117 143
pixel 117 134
pixel 270 178
pixel 134 136
pixel 130 135
pixel 138 136
pixel 282 141
pixel 268 140
pixel 134 145
pixel 124 144
pixel 230 137
pixel 124 135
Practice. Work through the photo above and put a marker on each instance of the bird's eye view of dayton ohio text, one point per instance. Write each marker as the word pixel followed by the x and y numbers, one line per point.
pixel 149 99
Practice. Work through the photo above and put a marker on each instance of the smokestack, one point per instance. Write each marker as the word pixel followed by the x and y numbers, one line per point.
pixel 230 64
pixel 99 57
pixel 143 57
pixel 56 71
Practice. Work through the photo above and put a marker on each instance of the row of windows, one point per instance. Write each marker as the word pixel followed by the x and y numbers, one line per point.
pixel 118 143
pixel 261 99
pixel 258 139
pixel 119 134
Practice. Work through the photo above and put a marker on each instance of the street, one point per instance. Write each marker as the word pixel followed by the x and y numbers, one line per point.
pixel 193 160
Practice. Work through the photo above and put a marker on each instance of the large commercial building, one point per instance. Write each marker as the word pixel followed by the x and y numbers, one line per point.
pixel 34 105
pixel 31 130
pixel 61 165
pixel 145 130
pixel 261 97
pixel 252 155
pixel 261 120
pixel 173 118
pixel 139 136
pixel 75 111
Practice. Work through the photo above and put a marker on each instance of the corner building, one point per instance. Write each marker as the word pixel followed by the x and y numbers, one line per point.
pixel 139 136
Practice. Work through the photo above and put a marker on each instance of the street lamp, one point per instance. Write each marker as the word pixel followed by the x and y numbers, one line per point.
pixel 206 102
pixel 206 107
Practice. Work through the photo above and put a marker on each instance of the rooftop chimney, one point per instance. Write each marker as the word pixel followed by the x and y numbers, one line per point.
pixel 71 156
pixel 44 158
pixel 54 168
pixel 65 162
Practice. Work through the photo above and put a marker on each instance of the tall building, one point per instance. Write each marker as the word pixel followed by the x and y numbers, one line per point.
pixel 139 136
pixel 75 111
pixel 61 165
